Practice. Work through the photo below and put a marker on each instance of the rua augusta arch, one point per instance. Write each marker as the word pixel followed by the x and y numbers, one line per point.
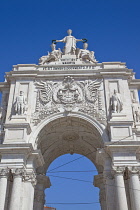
pixel 69 103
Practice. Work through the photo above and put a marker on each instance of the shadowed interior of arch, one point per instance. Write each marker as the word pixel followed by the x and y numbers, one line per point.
pixel 69 135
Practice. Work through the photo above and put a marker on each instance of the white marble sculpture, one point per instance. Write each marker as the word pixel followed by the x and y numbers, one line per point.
pixel 116 102
pixel 85 54
pixel 136 113
pixel 70 43
pixel 55 55
pixel 20 104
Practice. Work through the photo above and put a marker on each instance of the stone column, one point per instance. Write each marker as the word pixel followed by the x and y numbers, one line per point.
pixel 134 186
pixel 99 182
pixel 29 182
pixel 43 182
pixel 4 173
pixel 109 183
pixel 15 201
pixel 121 200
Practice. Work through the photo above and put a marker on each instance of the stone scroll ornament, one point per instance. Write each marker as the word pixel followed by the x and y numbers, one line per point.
pixel 67 96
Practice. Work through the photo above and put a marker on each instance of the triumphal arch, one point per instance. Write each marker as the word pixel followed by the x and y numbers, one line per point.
pixel 69 103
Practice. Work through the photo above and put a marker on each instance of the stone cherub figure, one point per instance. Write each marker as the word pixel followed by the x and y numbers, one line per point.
pixel 86 54
pixel 20 104
pixel 116 102
pixel 70 43
pixel 55 55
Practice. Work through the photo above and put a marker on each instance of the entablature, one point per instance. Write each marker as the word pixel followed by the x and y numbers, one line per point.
pixel 108 69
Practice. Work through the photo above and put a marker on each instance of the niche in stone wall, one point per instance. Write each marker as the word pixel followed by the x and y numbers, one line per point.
pixel 25 88
pixel 113 85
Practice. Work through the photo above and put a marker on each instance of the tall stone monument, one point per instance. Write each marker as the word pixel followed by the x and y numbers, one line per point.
pixel 69 103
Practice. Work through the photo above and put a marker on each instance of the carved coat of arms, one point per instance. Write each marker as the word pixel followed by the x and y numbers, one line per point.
pixel 68 92
pixel 68 95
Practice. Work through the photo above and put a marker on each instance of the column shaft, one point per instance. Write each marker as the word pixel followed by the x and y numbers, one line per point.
pixel 121 201
pixel 15 201
pixel 3 188
pixel 28 196
pixel 135 191
pixel 16 193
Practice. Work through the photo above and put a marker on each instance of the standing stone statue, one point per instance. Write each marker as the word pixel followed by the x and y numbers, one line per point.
pixel 136 112
pixel 116 102
pixel 70 43
pixel 20 104
pixel 55 55
pixel 86 54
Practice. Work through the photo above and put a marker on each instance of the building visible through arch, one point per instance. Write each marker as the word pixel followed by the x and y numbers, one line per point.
pixel 69 103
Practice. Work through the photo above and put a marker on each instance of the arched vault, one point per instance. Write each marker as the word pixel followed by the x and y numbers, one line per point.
pixel 70 134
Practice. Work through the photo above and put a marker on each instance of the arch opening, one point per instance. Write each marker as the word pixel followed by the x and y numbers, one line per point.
pixel 69 135
pixel 72 184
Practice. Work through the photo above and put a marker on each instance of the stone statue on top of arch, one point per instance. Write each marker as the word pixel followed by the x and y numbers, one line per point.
pixel 86 55
pixel 69 49
pixel 70 43
pixel 55 55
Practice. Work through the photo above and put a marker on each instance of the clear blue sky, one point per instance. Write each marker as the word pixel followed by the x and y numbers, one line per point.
pixel 113 32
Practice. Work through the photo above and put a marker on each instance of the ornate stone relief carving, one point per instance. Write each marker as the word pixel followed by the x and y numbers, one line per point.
pixel 66 96
pixel 134 170
pixel 17 172
pixel 29 177
pixel 4 172
pixel 119 170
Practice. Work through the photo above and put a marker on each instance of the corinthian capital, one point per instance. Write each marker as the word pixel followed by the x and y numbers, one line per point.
pixel 119 170
pixel 134 170
pixel 29 176
pixel 4 172
pixel 17 172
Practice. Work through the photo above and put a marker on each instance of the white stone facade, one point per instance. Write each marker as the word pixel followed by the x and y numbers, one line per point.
pixel 69 103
